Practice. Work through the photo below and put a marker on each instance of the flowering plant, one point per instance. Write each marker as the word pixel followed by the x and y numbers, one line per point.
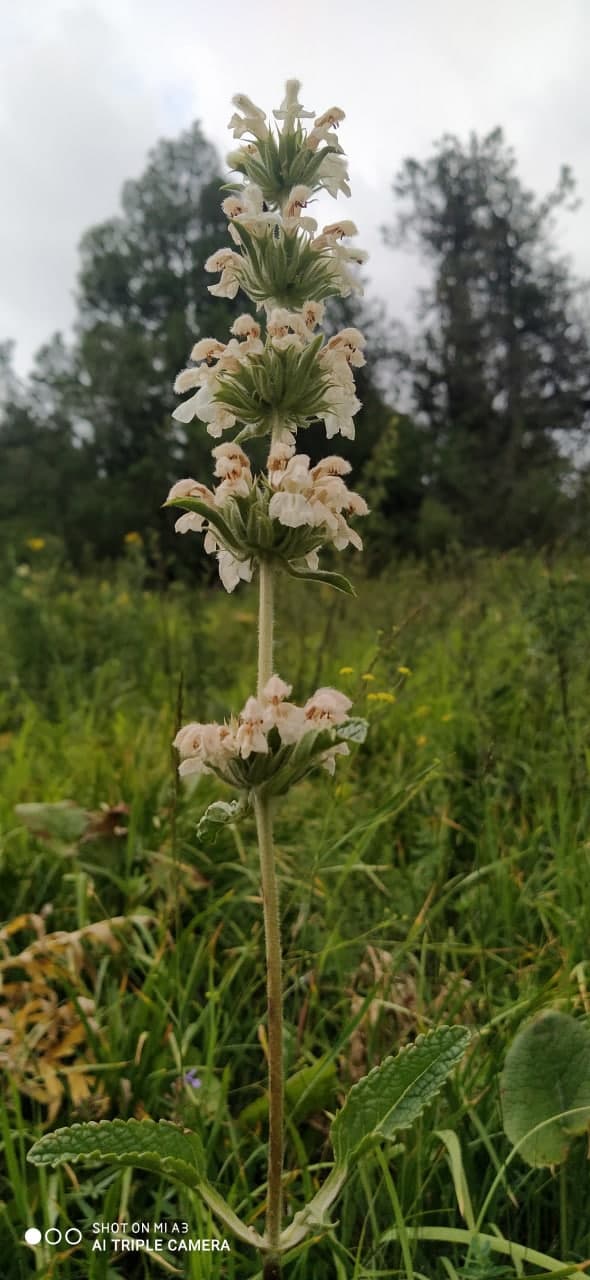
pixel 274 377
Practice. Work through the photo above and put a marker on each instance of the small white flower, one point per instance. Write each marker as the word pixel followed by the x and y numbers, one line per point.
pixel 233 571
pixel 290 509
pixel 190 522
pixel 290 109
pixel 245 327
pixel 351 342
pixel 331 466
pixel 252 119
pixel 333 175
pixel 331 118
pixel 312 313
pixel 326 708
pixel 190 488
pixel 252 725
pixel 328 758
pixel 208 349
pixel 296 201
pixel 287 718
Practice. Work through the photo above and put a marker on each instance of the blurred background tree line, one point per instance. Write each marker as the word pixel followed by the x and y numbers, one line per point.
pixel 473 432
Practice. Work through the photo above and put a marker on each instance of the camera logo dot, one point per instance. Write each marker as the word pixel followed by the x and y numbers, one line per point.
pixel 53 1235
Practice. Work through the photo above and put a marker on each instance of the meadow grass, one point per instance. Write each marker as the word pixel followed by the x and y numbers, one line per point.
pixel 443 877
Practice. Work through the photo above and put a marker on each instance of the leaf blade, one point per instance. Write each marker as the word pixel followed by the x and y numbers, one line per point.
pixel 392 1096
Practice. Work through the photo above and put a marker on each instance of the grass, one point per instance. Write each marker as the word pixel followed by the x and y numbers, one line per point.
pixel 442 876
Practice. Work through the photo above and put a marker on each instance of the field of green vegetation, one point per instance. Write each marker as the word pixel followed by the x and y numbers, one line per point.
pixel 442 876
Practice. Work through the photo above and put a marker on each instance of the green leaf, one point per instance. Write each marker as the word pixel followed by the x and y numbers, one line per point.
pixel 336 580
pixel 311 1089
pixel 220 814
pixel 353 730
pixel 394 1094
pixel 161 1147
pixel 211 514
pixel 546 1075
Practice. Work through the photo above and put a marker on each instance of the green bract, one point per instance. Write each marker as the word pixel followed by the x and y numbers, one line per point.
pixel 545 1087
pixel 244 527
pixel 277 164
pixel 282 268
pixel 286 386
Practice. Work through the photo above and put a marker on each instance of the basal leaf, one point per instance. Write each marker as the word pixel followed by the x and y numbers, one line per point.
pixel 546 1075
pixel 159 1147
pixel 392 1096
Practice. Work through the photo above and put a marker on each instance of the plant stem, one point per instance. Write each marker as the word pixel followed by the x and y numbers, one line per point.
pixel 265 624
pixel 270 895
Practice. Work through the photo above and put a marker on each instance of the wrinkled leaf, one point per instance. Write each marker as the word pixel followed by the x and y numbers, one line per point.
pixel 392 1096
pixel 547 1073
pixel 161 1148
pixel 353 730
pixel 219 814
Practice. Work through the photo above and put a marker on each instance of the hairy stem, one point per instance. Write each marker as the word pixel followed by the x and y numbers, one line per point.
pixel 270 895
pixel 275 1018
pixel 265 624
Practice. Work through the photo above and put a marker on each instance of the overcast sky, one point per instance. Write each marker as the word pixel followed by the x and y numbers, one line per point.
pixel 87 88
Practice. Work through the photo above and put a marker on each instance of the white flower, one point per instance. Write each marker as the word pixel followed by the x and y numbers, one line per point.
pixel 331 466
pixel 326 708
pixel 296 201
pixel 231 570
pixel 249 202
pixel 290 509
pixel 328 758
pixel 312 314
pixel 230 460
pixel 245 327
pixel 287 718
pixel 190 488
pixel 229 263
pixel 351 343
pixel 207 409
pixel 290 109
pixel 333 174
pixel 338 231
pixel 278 458
pixel 252 724
pixel 190 522
pixel 208 349
pixel 203 747
pixel 330 118
pixel 252 119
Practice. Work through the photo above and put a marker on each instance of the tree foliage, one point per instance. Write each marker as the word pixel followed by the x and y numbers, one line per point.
pixel 500 371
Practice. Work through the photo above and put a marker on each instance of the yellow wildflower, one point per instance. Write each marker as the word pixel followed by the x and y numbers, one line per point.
pixel 367 676
pixel 423 710
pixel 447 716
pixel 35 544
pixel 346 671
pixel 405 671
pixel 381 696
pixel 421 740
pixel 133 538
